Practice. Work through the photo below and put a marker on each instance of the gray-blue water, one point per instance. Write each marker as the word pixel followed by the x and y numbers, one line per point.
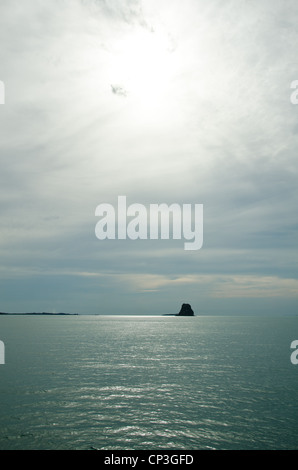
pixel 125 382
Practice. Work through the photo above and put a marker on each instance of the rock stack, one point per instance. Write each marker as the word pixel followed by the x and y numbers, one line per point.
pixel 185 311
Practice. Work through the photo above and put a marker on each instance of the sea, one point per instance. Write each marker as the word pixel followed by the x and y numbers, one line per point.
pixel 115 382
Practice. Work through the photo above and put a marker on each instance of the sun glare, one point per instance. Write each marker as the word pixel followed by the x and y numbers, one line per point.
pixel 142 66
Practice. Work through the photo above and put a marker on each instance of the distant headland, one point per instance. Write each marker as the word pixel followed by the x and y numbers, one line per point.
pixel 185 311
pixel 41 313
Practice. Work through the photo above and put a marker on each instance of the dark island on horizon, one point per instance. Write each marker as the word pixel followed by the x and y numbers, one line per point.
pixel 185 311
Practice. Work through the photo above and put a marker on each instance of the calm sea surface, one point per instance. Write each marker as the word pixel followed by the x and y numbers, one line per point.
pixel 129 382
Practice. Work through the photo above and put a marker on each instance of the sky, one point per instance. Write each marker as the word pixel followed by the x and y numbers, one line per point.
pixel 162 102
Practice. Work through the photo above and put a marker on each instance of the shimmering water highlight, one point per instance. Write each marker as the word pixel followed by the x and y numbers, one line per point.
pixel 133 382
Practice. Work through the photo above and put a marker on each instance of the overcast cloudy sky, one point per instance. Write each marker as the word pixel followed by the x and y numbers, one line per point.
pixel 161 101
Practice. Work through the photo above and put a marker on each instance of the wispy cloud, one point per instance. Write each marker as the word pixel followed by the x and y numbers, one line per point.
pixel 119 90
pixel 217 286
pixel 130 11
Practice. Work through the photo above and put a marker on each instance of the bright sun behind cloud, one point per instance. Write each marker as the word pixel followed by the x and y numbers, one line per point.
pixel 142 66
